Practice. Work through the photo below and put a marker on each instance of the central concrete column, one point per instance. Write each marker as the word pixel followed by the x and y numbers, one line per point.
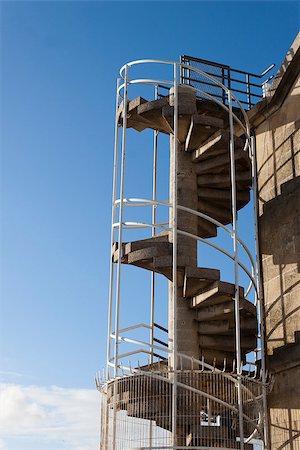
pixel 186 327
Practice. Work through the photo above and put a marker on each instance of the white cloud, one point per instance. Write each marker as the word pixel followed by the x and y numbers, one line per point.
pixel 5 373
pixel 50 417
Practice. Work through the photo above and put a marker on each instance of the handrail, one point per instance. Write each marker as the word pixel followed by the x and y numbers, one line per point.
pixel 140 225
pixel 143 202
pixel 183 66
pixel 130 202
pixel 193 360
pixel 225 66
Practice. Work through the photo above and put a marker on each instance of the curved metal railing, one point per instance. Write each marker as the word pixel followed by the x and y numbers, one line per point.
pixel 141 202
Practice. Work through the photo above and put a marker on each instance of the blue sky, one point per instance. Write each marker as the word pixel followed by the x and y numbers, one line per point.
pixel 59 63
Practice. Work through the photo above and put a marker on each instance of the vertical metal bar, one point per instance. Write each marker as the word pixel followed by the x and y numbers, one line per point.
pixel 116 151
pixel 123 155
pixel 188 73
pixel 259 295
pixel 154 207
pixel 174 230
pixel 152 306
pixel 223 82
pixel 182 70
pixel 248 90
pixel 228 78
pixel 236 272
pixel 111 275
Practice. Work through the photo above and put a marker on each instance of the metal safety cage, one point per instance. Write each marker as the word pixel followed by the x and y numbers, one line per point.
pixel 149 405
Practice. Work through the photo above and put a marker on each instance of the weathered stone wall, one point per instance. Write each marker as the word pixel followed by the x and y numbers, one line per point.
pixel 285 421
pixel 278 163
pixel 278 166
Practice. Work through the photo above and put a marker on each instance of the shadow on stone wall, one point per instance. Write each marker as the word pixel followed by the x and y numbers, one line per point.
pixel 279 223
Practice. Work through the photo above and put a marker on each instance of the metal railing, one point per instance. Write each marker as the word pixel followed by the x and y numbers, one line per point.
pixel 246 85
pixel 148 395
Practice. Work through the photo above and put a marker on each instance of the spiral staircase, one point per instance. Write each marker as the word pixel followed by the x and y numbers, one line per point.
pixel 205 323
pixel 203 131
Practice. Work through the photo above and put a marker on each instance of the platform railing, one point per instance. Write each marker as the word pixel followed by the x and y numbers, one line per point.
pixel 138 381
pixel 246 85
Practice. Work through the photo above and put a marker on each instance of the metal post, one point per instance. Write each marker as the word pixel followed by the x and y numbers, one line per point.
pixel 259 295
pixel 117 311
pixel 123 154
pixel 228 79
pixel 236 273
pixel 152 307
pixel 111 276
pixel 223 82
pixel 174 230
pixel 248 90
pixel 154 189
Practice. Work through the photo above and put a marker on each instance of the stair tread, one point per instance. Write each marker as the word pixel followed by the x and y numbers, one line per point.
pixel 215 144
pixel 223 215
pixel 223 311
pixel 243 179
pixel 201 128
pixel 198 278
pixel 221 162
pixel 223 196
pixel 220 327
pixel 226 343
pixel 206 229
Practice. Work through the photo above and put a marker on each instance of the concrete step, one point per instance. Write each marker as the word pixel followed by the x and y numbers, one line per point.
pixel 155 254
pixel 198 278
pixel 227 343
pixel 226 327
pixel 148 115
pixel 147 253
pixel 160 241
pixel 223 215
pixel 243 180
pixel 216 144
pixel 224 204
pixel 218 292
pixel 224 311
pixel 221 359
pixel 132 122
pixel 221 162
pixel 200 129
pixel 222 197
pixel 206 229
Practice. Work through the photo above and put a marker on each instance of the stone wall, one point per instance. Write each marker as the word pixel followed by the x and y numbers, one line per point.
pixel 278 167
